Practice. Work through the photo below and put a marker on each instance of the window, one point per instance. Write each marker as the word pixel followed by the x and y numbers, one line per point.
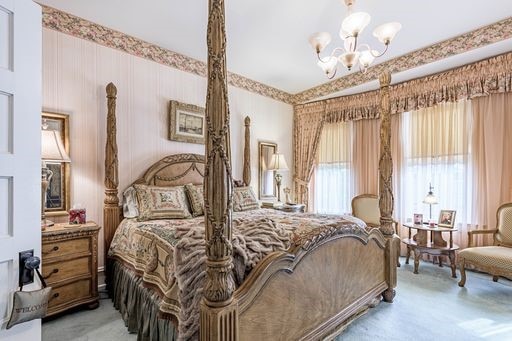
pixel 436 151
pixel 332 184
pixel 333 175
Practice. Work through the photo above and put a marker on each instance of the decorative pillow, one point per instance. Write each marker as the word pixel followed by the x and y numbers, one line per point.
pixel 161 202
pixel 29 305
pixel 130 206
pixel 244 199
pixel 195 199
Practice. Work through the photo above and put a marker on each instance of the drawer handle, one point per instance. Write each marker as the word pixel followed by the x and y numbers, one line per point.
pixel 54 271
pixel 55 248
pixel 54 296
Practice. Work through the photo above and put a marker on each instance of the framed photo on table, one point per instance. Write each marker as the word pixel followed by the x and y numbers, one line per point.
pixel 446 218
pixel 58 195
pixel 186 123
pixel 418 218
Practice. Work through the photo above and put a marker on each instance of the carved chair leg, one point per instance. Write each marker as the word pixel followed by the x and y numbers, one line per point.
pixel 462 281
pixel 417 255
pixel 495 278
pixel 408 254
pixel 451 255
pixel 440 261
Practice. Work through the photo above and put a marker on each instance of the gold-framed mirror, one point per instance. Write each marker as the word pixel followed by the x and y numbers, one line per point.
pixel 267 184
pixel 58 193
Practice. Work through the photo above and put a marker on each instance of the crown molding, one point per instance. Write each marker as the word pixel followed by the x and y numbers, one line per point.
pixel 78 27
pixel 63 22
pixel 480 37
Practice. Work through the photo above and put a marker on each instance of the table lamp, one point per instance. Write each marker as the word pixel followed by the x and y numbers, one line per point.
pixel 52 150
pixel 430 199
pixel 278 163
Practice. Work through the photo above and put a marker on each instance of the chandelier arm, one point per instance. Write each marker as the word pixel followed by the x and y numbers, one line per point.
pixel 331 55
pixel 364 45
pixel 380 54
pixel 333 75
pixel 363 70
pixel 320 58
pixel 336 49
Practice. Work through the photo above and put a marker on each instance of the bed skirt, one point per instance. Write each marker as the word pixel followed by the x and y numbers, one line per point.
pixel 138 305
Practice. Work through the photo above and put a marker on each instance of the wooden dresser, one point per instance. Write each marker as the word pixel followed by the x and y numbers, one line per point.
pixel 70 265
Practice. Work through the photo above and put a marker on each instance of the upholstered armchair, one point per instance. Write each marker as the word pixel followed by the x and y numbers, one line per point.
pixel 497 259
pixel 366 208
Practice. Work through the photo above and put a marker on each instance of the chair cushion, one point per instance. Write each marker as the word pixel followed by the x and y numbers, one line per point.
pixel 495 256
pixel 505 225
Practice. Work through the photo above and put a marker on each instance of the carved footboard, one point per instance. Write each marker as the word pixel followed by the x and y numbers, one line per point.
pixel 326 280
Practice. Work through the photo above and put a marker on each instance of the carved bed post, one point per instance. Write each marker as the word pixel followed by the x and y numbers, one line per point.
pixel 219 313
pixel 386 199
pixel 247 152
pixel 111 212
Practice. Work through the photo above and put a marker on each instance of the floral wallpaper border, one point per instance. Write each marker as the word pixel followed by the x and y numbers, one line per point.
pixel 480 37
pixel 75 26
pixel 81 28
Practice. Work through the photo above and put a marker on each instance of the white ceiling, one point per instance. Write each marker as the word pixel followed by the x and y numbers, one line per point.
pixel 268 39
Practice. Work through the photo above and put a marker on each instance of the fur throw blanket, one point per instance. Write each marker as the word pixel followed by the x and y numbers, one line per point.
pixel 252 241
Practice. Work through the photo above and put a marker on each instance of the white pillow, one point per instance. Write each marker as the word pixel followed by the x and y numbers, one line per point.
pixel 130 205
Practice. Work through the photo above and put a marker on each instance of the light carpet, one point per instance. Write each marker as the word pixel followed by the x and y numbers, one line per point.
pixel 428 306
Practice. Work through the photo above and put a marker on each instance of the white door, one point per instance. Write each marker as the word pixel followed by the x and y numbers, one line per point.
pixel 20 151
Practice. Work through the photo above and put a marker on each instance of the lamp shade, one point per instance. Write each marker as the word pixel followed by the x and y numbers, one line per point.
pixel 386 32
pixel 430 199
pixel 349 59
pixel 52 148
pixel 355 23
pixel 367 57
pixel 319 41
pixel 277 163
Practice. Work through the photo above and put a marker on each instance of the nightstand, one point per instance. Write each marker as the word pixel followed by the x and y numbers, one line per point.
pixel 70 265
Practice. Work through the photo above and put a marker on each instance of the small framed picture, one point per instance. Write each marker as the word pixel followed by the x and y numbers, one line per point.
pixel 418 218
pixel 446 218
pixel 186 123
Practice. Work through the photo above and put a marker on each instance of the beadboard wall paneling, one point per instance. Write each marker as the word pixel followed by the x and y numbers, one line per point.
pixel 75 73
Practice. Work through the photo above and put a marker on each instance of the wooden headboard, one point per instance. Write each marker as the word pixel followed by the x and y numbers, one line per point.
pixel 175 170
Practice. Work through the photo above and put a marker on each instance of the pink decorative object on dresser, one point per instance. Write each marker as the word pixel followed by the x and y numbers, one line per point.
pixel 77 216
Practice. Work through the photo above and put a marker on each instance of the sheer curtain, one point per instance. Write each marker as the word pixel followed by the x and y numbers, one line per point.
pixel 333 182
pixel 436 150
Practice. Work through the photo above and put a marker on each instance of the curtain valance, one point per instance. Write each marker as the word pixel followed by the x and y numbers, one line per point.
pixel 352 108
pixel 493 75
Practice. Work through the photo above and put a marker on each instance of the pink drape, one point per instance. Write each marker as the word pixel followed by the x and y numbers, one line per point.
pixel 492 157
pixel 365 156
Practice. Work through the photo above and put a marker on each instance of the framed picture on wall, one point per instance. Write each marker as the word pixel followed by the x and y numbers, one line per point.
pixel 186 123
pixel 58 194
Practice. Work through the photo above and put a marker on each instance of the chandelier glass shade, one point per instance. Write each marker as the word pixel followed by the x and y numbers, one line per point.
pixel 352 53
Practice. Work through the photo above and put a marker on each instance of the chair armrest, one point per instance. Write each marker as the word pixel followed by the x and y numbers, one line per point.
pixel 473 232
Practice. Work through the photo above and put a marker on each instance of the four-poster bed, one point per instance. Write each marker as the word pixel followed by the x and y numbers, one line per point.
pixel 310 286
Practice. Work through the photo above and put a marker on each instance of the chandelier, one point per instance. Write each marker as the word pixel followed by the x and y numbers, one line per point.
pixel 352 53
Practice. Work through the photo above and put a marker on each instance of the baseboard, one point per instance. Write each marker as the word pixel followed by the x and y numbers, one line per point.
pixel 101 278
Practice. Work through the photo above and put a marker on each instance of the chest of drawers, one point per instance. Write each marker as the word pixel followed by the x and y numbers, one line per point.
pixel 70 265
